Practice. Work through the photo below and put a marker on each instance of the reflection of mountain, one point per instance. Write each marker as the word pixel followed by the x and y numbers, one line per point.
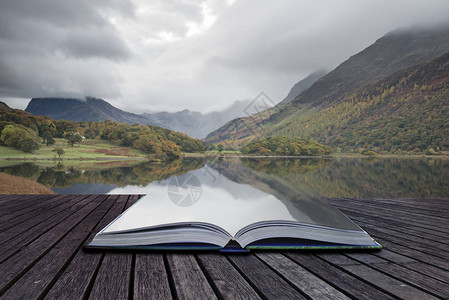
pixel 362 177
pixel 91 180
pixel 381 177
pixel 294 197
pixel 337 177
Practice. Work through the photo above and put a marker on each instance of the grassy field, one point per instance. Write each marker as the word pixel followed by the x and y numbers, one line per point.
pixel 86 150
pixel 17 185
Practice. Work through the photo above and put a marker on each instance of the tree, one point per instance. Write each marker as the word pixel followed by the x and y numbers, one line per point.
pixel 59 151
pixel 73 138
pixel 20 138
pixel 28 145
pixel 220 147
pixel 47 138
pixel 211 147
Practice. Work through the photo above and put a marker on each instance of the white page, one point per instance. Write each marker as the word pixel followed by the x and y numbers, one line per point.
pixel 220 201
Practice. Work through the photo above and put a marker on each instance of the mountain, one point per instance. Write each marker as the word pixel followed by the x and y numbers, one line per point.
pixel 89 109
pixel 5 107
pixel 301 86
pixel 336 104
pixel 196 124
pixel 192 123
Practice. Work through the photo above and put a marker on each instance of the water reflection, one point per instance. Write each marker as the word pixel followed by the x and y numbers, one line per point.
pixel 333 177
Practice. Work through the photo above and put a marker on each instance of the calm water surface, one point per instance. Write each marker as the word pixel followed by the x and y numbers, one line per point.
pixel 333 177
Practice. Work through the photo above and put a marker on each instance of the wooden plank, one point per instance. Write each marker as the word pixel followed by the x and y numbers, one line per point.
pixel 412 277
pixel 387 283
pixel 426 203
pixel 262 278
pixel 113 278
pixel 400 225
pixel 339 259
pixel 409 232
pixel 393 256
pixel 114 263
pixel 11 202
pixel 307 282
pixel 24 201
pixel 386 210
pixel 16 265
pixel 435 249
pixel 396 204
pixel 397 214
pixel 415 254
pixel 38 279
pixel 150 277
pixel 369 214
pixel 76 280
pixel 25 223
pixel 428 270
pixel 21 198
pixel 346 283
pixel 414 265
pixel 227 280
pixel 11 246
pixel 188 279
pixel 29 211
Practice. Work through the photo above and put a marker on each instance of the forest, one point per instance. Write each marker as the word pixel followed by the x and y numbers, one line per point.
pixel 26 132
pixel 285 146
pixel 405 112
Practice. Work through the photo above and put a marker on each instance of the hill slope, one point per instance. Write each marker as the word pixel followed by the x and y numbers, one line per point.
pixel 405 111
pixel 392 53
pixel 90 109
pixel 301 86
pixel 159 143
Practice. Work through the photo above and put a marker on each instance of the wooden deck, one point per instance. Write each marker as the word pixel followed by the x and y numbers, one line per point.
pixel 42 256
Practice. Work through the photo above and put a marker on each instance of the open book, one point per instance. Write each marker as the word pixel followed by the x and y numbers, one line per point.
pixel 193 211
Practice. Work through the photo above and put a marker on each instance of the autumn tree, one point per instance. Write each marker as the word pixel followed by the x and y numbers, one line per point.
pixel 59 152
pixel 47 138
pixel 73 138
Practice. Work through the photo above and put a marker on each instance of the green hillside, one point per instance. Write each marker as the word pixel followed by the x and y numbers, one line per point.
pixel 407 111
pixel 19 129
pixel 390 97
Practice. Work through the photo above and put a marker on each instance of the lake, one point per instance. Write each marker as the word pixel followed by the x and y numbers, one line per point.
pixel 330 177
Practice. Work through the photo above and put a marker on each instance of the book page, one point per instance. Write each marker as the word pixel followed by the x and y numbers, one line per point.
pixel 202 195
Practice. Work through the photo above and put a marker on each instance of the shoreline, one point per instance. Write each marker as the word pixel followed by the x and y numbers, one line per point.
pixel 227 155
pixel 331 156
pixel 76 159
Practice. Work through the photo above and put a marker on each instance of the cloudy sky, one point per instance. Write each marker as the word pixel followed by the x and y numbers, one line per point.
pixel 152 55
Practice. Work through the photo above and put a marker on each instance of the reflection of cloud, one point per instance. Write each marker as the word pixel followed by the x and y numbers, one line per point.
pixel 225 203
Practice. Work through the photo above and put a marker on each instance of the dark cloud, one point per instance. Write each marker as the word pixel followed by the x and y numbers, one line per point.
pixel 60 47
pixel 175 54
pixel 101 42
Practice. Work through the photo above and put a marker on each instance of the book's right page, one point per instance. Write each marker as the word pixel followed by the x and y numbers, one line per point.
pixel 319 223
